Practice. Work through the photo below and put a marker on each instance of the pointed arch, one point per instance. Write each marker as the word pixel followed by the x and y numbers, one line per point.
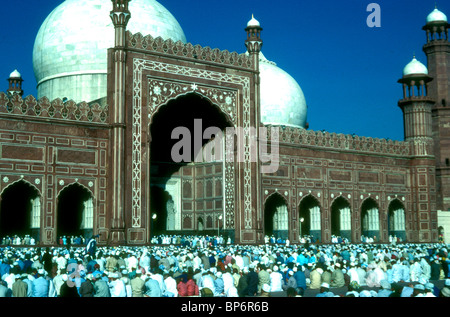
pixel 310 217
pixel 203 179
pixel 276 218
pixel 341 218
pixel 370 219
pixel 75 211
pixel 397 219
pixel 20 209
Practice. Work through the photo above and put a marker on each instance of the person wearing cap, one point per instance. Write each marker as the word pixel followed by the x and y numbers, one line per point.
pixel 116 286
pixel 263 276
pixel 445 291
pixel 68 289
pixel 87 287
pixel 41 285
pixel 19 287
pixel 137 285
pixel 324 291
pixel 385 290
pixel 418 290
pixel 101 287
pixel 337 276
pixel 265 290
pixel 152 288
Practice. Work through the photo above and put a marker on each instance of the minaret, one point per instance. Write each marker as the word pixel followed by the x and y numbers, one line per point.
pixel 437 50
pixel 15 84
pixel 416 106
pixel 120 15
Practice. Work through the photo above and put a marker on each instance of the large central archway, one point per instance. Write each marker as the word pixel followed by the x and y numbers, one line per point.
pixel 186 187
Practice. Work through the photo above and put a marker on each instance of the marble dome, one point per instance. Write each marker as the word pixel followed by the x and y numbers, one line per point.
pixel 282 99
pixel 414 68
pixel 436 16
pixel 70 50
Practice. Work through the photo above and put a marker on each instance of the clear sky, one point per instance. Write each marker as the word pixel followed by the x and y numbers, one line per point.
pixel 348 71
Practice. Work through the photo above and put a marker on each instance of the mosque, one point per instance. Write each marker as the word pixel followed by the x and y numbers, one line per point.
pixel 119 95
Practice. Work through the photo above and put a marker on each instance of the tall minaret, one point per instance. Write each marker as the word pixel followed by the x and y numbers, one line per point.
pixel 120 15
pixel 437 50
pixel 417 106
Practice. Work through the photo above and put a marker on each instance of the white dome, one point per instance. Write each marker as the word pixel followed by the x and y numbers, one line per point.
pixel 70 50
pixel 253 22
pixel 15 74
pixel 436 16
pixel 415 67
pixel 282 99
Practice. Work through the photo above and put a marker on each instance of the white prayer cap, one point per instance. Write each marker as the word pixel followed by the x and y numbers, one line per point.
pixel 266 288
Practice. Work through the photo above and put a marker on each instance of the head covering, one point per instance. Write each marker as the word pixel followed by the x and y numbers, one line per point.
pixel 445 292
pixel 419 287
pixel 266 288
pixel 365 293
pixel 385 284
pixel 325 285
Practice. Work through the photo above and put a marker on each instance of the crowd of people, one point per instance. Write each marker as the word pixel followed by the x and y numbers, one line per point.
pixel 182 266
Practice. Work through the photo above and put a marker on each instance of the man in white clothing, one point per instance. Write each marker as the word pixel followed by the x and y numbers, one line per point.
pixel 171 285
pixel 276 280
pixel 116 286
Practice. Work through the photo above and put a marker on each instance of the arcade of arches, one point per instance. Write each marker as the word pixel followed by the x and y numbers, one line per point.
pixel 20 211
pixel 310 215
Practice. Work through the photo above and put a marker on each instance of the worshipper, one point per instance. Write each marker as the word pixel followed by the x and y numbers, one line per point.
pixel 4 291
pixel 276 280
pixel 228 281
pixel 429 289
pixel 207 280
pixel 137 285
pixel 170 285
pixel 385 290
pixel 87 287
pixel 68 288
pixel 242 287
pixel 101 287
pixel 418 290
pixel 218 285
pixel 265 290
pixel 252 281
pixel 152 287
pixel 324 291
pixel 445 291
pixel 435 269
pixel 20 288
pixel 337 276
pixel 291 282
pixel 41 285
pixel 316 277
pixel 116 286
pixel 263 276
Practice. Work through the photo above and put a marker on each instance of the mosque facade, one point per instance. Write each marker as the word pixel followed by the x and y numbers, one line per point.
pixel 118 141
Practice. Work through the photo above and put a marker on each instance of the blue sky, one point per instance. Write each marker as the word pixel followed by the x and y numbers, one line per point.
pixel 347 70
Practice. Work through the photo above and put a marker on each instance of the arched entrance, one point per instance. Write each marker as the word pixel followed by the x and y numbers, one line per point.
pixel 370 220
pixel 396 220
pixel 341 219
pixel 186 164
pixel 310 218
pixel 20 210
pixel 276 217
pixel 75 212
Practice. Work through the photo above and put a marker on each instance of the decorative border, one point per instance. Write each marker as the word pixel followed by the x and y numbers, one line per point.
pixel 160 92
